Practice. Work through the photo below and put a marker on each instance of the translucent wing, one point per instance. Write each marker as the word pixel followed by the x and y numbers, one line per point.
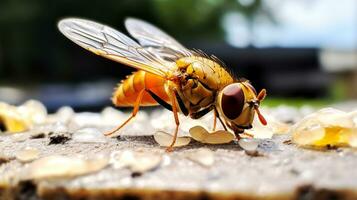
pixel 156 40
pixel 110 43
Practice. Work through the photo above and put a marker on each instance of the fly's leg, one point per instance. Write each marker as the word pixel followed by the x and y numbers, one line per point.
pixel 174 110
pixel 247 135
pixel 135 111
pixel 217 115
pixel 201 113
pixel 241 133
pixel 159 100
pixel 214 120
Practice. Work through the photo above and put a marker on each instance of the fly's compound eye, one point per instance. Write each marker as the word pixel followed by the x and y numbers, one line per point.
pixel 232 101
pixel 251 87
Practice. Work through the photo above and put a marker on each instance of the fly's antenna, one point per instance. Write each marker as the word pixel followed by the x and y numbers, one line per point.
pixel 261 96
pixel 260 116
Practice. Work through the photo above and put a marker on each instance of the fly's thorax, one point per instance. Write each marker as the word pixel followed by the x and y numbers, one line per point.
pixel 233 105
pixel 201 78
pixel 208 72
pixel 194 91
pixel 197 95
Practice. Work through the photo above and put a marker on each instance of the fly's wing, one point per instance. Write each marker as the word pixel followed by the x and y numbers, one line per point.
pixel 155 40
pixel 112 44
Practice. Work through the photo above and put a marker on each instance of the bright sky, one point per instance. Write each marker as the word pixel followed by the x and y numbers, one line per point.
pixel 300 23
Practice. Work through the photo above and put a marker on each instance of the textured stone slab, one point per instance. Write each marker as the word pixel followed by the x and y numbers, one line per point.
pixel 279 170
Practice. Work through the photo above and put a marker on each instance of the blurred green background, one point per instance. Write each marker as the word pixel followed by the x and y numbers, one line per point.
pixel 301 51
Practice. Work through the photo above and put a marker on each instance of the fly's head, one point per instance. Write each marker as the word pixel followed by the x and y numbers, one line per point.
pixel 238 103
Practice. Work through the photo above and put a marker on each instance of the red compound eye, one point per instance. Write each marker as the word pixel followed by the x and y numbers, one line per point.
pixel 232 101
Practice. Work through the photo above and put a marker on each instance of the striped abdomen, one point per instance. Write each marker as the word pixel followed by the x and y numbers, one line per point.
pixel 128 90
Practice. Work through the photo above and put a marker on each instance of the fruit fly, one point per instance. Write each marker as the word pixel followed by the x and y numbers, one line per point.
pixel 179 79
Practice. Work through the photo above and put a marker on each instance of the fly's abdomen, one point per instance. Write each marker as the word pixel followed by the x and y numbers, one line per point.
pixel 127 92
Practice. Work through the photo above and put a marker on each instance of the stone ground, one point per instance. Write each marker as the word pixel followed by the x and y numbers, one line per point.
pixel 278 170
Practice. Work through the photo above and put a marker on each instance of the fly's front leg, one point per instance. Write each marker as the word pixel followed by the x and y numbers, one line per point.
pixel 135 111
pixel 238 132
pixel 217 115
pixel 247 135
pixel 214 120
pixel 175 112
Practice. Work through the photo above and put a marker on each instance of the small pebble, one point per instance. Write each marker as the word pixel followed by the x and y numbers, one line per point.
pixel 112 116
pixel 248 144
pixel 28 154
pixel 19 137
pixel 89 135
pixel 58 127
pixel 55 127
pixel 166 160
pixel 138 162
pixel 61 167
pixel 202 156
pixel 306 110
pixel 286 114
pixel 64 114
pixel 86 119
pixel 254 153
pixel 33 110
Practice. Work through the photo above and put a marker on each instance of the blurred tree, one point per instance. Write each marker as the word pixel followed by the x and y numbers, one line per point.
pixel 200 18
pixel 32 49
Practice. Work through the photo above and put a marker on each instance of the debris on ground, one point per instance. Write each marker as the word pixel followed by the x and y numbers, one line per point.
pixel 326 127
pixel 21 118
pixel 133 164
pixel 165 139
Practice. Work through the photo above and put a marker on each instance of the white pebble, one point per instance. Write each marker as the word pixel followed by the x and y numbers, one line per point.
pixel 306 110
pixel 57 127
pixel 166 160
pixel 64 114
pixel 286 114
pixel 19 137
pixel 89 135
pixel 61 166
pixel 248 144
pixel 87 119
pixel 112 116
pixel 135 161
pixel 33 110
pixel 28 154
pixel 202 156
